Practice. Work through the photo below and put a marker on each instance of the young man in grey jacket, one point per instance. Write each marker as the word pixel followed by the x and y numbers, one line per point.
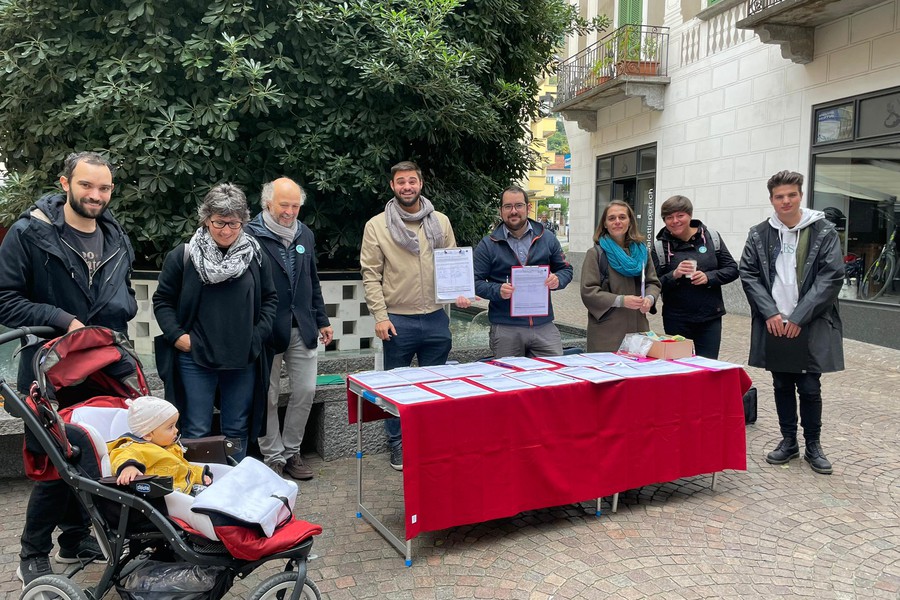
pixel 792 269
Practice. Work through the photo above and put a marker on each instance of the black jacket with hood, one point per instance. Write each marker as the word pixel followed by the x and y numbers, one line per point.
pixel 43 281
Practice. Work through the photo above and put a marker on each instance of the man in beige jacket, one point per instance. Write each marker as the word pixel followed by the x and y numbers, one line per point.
pixel 397 264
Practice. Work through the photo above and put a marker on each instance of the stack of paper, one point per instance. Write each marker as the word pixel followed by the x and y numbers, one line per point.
pixel 708 363
pixel 522 362
pixel 502 383
pixel 572 360
pixel 407 394
pixel 378 379
pixel 416 375
pixel 541 378
pixel 457 388
pixel 588 374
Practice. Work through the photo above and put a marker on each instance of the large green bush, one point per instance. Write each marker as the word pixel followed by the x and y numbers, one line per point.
pixel 184 94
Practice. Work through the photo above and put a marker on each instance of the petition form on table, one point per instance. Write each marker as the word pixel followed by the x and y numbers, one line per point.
pixel 454 274
pixel 531 296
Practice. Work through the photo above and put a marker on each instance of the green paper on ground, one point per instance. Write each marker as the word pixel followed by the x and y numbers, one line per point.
pixel 329 380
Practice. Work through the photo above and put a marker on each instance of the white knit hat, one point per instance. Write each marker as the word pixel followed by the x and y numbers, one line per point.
pixel 147 413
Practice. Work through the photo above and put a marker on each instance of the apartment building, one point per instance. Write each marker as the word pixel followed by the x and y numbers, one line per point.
pixel 709 98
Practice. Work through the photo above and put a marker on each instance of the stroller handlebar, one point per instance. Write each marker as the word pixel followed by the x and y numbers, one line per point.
pixel 42 331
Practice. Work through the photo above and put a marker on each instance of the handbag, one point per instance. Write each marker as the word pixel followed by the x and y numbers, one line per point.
pixel 213 449
pixel 750 406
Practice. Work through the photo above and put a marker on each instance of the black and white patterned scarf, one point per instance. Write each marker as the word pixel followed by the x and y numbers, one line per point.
pixel 212 266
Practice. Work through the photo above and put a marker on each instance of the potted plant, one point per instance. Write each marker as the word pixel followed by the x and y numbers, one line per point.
pixel 602 69
pixel 637 53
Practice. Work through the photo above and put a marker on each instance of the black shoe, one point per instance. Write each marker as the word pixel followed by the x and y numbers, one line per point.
pixel 32 568
pixel 397 457
pixel 786 450
pixel 816 458
pixel 87 550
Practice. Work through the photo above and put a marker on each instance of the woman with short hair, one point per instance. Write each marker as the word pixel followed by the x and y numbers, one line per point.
pixel 215 305
pixel 693 264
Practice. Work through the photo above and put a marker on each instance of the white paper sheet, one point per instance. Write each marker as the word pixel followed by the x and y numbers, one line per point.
pixel 709 363
pixel 416 374
pixel 447 371
pixel 530 297
pixel 572 360
pixel 622 369
pixel 541 378
pixel 454 274
pixel 588 374
pixel 480 369
pixel 662 367
pixel 457 388
pixel 503 384
pixel 523 362
pixel 604 357
pixel 408 394
pixel 378 379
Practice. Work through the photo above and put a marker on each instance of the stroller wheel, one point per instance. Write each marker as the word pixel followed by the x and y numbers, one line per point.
pixel 281 586
pixel 53 587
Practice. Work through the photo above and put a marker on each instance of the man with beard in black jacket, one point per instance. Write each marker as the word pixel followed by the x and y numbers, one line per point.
pixel 65 263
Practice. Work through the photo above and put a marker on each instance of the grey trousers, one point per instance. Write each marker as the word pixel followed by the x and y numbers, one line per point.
pixel 281 443
pixel 515 340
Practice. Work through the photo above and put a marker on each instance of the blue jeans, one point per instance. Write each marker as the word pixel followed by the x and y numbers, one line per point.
pixel 236 388
pixel 427 337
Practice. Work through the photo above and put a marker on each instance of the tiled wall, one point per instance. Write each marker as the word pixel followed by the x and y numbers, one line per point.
pixel 345 304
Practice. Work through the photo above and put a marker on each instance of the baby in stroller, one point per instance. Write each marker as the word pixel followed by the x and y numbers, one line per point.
pixel 88 373
pixel 151 447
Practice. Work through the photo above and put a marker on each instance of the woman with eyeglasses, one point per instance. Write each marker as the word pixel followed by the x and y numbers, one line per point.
pixel 693 264
pixel 215 305
pixel 618 282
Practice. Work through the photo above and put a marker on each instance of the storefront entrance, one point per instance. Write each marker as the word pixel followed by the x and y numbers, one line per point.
pixel 856 181
pixel 629 176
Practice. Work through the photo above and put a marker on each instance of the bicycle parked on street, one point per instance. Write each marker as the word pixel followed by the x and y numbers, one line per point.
pixel 881 274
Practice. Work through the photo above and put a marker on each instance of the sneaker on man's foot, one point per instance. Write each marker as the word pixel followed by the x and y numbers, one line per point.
pixel 278 467
pixel 87 550
pixel 32 568
pixel 397 457
pixel 297 469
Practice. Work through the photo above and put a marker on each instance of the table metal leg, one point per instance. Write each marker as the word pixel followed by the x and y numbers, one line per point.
pixel 715 480
pixel 403 547
pixel 615 502
pixel 598 512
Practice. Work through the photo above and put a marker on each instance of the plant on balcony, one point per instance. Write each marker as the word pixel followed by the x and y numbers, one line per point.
pixel 603 68
pixel 637 52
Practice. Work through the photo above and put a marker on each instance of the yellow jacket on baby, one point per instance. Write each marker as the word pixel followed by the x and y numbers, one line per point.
pixel 151 459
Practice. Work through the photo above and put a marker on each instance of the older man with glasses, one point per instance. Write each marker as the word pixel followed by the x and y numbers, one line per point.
pixel 519 241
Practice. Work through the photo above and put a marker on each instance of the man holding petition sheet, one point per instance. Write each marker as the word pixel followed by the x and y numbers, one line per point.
pixel 397 263
pixel 516 251
pixel 792 270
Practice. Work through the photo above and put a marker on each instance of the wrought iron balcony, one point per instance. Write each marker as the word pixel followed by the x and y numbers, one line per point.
pixel 631 61
pixel 792 23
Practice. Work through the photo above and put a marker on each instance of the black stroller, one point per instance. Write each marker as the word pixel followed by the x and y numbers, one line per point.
pixel 132 524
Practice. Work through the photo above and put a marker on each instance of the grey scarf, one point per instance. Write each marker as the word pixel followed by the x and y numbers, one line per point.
pixel 287 234
pixel 212 266
pixel 407 239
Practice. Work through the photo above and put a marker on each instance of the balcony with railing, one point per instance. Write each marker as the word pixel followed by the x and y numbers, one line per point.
pixel 792 23
pixel 631 61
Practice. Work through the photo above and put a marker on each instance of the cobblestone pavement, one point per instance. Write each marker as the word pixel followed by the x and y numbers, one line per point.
pixel 769 532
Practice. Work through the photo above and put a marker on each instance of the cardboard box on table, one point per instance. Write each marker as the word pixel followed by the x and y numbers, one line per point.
pixel 669 349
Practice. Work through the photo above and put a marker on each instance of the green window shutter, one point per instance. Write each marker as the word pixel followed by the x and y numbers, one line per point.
pixel 630 12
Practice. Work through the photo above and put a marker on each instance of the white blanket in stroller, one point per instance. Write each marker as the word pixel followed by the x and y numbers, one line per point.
pixel 251 493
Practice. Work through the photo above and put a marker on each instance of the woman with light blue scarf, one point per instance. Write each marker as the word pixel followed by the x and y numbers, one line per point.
pixel 619 285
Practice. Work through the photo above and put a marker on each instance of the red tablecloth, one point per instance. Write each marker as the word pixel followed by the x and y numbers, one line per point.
pixel 475 459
